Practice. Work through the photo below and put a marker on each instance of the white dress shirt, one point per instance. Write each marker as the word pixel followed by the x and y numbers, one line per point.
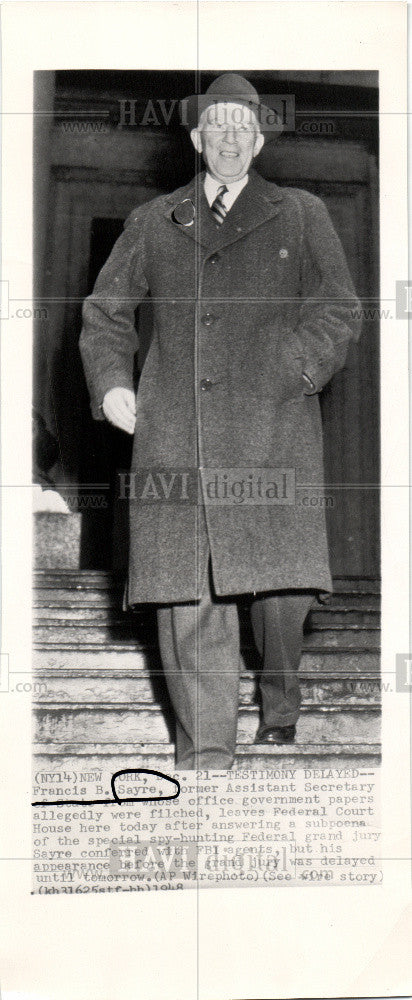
pixel 211 186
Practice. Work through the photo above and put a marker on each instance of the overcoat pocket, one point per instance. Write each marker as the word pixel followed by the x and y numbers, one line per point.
pixel 289 360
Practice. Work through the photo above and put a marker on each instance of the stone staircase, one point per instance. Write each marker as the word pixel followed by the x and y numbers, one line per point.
pixel 102 703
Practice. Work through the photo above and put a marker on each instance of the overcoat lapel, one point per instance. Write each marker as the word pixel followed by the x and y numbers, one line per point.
pixel 251 209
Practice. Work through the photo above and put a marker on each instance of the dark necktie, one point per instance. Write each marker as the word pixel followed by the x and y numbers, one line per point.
pixel 217 208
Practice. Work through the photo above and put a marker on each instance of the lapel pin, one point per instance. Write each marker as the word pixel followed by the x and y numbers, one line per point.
pixel 184 213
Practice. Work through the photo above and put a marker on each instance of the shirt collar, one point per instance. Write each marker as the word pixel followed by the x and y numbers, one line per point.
pixel 211 186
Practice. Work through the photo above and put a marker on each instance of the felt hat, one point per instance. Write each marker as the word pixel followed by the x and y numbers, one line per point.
pixel 230 88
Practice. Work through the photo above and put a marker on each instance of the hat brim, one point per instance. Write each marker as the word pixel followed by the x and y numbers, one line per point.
pixel 191 108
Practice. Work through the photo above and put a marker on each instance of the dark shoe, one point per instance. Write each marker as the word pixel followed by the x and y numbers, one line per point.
pixel 275 734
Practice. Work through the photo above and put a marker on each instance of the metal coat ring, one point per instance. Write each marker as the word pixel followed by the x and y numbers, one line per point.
pixel 184 213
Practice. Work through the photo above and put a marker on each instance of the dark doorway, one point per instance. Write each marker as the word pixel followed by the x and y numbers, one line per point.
pixel 93 189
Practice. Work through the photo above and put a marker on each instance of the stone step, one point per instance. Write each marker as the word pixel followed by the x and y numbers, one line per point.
pixel 71 602
pixel 339 723
pixel 98 613
pixel 108 657
pixel 103 760
pixel 88 591
pixel 103 578
pixel 127 634
pixel 103 680
pixel 127 690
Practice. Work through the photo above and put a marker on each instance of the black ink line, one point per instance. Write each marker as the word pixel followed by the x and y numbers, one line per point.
pixel 120 802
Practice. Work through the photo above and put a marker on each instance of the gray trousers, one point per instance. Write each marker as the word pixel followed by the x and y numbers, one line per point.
pixel 199 647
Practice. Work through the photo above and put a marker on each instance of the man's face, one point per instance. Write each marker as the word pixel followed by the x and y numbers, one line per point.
pixel 228 137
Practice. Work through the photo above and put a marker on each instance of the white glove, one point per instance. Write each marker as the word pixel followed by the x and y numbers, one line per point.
pixel 119 408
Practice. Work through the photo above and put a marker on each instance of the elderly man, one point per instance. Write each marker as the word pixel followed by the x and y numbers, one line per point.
pixel 253 313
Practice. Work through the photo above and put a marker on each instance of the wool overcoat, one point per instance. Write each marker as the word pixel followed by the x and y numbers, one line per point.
pixel 227 453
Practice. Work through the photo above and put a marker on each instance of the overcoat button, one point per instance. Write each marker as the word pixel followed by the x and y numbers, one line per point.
pixel 208 319
pixel 206 384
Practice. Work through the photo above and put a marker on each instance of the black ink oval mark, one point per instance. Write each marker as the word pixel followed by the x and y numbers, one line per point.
pixel 144 798
pixel 106 802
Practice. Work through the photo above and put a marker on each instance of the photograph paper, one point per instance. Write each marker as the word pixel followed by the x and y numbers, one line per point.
pixel 206 667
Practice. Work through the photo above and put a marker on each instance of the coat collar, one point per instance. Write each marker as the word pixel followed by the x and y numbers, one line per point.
pixel 257 202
